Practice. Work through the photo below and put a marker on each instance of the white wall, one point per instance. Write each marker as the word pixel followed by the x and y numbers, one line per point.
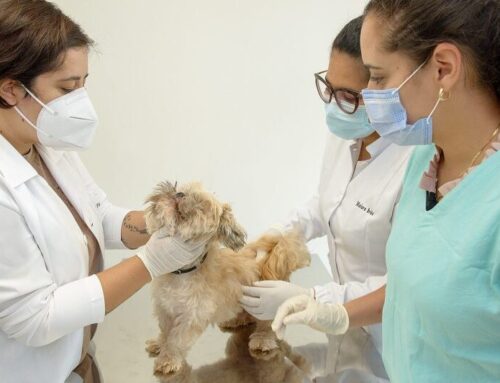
pixel 220 91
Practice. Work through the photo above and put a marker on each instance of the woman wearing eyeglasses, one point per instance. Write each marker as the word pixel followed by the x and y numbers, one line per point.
pixel 359 187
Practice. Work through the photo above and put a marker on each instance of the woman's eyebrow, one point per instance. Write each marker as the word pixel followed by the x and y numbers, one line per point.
pixel 370 66
pixel 74 78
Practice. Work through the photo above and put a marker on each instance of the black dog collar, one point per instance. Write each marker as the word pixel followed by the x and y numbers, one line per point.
pixel 193 268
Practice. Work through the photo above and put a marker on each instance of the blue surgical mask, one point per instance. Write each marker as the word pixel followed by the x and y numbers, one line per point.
pixel 348 126
pixel 388 116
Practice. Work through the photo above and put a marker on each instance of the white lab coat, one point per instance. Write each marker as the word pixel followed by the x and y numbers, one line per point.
pixel 46 296
pixel 355 214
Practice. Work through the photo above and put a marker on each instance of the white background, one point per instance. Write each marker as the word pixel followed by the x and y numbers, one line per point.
pixel 219 91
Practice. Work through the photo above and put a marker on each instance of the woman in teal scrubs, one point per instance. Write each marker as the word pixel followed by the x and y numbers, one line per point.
pixel 435 82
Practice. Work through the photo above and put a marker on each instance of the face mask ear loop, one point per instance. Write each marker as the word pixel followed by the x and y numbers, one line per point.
pixel 37 99
pixel 409 77
pixel 23 116
pixel 441 97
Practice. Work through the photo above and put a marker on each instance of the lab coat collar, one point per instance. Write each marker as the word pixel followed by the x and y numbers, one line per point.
pixel 13 166
pixel 374 149
pixel 378 147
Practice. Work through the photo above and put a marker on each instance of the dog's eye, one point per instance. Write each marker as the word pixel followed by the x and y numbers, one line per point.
pixel 180 195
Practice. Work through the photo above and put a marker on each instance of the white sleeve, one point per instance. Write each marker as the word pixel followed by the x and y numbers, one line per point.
pixel 112 222
pixel 34 310
pixel 308 219
pixel 338 294
pixel 112 216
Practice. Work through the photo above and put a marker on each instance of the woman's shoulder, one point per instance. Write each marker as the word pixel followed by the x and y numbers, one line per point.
pixel 420 160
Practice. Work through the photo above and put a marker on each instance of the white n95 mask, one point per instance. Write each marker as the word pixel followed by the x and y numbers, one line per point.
pixel 68 122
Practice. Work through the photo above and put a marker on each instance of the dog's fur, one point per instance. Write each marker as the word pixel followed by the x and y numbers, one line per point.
pixel 186 304
pixel 240 367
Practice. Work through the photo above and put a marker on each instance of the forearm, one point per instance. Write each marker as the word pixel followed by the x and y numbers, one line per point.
pixel 134 232
pixel 122 281
pixel 366 310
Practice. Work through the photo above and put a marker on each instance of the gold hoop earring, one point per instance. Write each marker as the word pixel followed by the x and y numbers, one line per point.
pixel 443 95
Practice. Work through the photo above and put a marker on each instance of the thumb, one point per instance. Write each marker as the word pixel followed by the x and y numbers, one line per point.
pixel 296 318
pixel 280 333
pixel 290 306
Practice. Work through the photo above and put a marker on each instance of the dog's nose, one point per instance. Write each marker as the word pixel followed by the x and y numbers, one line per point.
pixel 180 195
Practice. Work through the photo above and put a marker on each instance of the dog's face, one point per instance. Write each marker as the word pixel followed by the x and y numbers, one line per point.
pixel 192 213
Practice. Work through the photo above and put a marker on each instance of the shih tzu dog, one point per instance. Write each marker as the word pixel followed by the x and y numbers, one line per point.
pixel 208 291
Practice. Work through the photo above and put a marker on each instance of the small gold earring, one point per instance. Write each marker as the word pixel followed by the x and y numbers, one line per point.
pixel 443 95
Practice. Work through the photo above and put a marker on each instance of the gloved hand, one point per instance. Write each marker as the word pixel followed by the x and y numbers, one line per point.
pixel 263 298
pixel 324 317
pixel 163 254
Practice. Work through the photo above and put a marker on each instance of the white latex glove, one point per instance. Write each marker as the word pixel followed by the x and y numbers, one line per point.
pixel 263 298
pixel 328 318
pixel 163 254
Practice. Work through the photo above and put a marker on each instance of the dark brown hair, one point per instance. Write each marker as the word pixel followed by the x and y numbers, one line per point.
pixel 34 36
pixel 347 41
pixel 416 27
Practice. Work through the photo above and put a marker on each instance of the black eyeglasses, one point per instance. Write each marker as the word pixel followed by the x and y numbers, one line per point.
pixel 347 99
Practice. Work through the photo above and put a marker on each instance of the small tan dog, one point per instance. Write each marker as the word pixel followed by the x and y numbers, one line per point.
pixel 207 292
pixel 240 367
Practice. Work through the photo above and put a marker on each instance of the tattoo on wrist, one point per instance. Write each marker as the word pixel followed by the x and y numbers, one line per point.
pixel 131 227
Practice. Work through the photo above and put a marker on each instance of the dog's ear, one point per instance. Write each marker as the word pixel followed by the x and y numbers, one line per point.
pixel 158 212
pixel 230 233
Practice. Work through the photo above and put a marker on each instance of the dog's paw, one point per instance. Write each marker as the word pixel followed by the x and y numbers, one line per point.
pixel 263 346
pixel 185 374
pixel 168 365
pixel 152 348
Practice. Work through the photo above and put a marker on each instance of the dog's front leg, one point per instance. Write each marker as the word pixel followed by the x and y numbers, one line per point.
pixel 243 319
pixel 153 346
pixel 174 349
pixel 263 342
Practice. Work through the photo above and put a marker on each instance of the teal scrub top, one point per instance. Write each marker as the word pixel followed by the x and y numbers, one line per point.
pixel 441 318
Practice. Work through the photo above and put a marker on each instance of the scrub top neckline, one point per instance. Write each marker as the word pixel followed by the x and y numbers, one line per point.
pixel 429 178
pixel 463 184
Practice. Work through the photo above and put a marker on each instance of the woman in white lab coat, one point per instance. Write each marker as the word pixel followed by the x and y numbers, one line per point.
pixel 55 222
pixel 359 188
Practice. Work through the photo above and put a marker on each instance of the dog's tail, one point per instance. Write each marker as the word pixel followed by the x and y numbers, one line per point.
pixel 280 254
